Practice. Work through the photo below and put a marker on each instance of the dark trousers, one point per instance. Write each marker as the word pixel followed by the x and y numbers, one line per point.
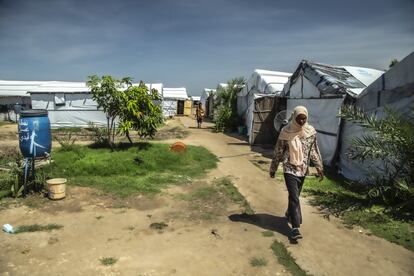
pixel 294 186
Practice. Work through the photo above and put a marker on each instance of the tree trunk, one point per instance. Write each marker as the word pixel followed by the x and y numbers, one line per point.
pixel 129 138
pixel 108 131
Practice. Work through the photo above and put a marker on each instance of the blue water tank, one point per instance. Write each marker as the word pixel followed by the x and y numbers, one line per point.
pixel 35 139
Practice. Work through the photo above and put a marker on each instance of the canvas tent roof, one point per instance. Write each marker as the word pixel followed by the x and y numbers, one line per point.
pixel 175 93
pixel 265 82
pixel 77 87
pixel 61 87
pixel 336 80
pixel 17 88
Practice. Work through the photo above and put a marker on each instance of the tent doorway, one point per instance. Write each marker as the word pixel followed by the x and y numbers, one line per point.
pixel 180 107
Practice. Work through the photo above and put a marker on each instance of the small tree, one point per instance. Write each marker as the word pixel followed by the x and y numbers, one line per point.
pixel 227 117
pixel 391 141
pixel 106 91
pixel 134 106
pixel 140 111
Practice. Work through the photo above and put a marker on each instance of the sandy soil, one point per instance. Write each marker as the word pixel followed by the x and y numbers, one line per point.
pixel 97 226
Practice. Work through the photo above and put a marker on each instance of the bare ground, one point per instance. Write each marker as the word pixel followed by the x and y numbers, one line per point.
pixel 98 225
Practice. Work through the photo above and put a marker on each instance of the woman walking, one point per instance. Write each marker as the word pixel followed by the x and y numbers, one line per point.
pixel 199 114
pixel 295 148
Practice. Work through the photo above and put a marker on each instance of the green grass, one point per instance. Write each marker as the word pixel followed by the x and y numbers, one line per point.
pixel 258 262
pixel 108 261
pixel 222 185
pixel 203 193
pixel 37 228
pixel 285 259
pixel 144 168
pixel 67 130
pixel 268 234
pixel 354 208
pixel 227 186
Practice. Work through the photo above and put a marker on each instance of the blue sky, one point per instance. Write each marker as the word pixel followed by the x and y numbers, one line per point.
pixel 196 44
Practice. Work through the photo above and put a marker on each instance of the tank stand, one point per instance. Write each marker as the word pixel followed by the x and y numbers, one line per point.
pixel 29 168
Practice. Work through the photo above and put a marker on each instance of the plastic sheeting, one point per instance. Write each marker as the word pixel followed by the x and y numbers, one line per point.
pixel 322 116
pixel 174 93
pixel 261 83
pixel 206 93
pixel 169 108
pixel 334 80
pixel 393 89
pixel 76 118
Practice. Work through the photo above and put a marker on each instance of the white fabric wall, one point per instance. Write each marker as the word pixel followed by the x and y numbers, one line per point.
pixel 322 116
pixel 43 101
pixel 355 170
pixel 309 90
pixel 169 107
pixel 74 110
pixel 76 118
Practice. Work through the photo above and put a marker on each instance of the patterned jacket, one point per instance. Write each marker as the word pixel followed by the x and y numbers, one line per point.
pixel 281 155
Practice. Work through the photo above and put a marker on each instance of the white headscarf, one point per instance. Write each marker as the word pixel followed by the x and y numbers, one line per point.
pixel 292 134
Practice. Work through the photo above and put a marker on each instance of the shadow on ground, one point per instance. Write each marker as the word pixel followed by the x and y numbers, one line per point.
pixel 265 221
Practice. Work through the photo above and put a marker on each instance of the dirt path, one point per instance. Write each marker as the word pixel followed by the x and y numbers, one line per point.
pixel 199 238
pixel 98 226
pixel 328 248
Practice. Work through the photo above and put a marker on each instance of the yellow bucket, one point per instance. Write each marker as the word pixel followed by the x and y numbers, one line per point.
pixel 57 188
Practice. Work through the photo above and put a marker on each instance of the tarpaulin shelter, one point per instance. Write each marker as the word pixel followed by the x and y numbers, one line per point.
pixel 395 90
pixel 259 101
pixel 210 101
pixel 173 101
pixel 204 96
pixel 14 93
pixel 322 89
pixel 70 104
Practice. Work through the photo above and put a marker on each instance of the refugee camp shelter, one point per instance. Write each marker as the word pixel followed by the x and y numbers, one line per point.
pixel 258 103
pixel 174 101
pixel 323 89
pixel 395 90
pixel 210 101
pixel 70 104
pixel 13 95
pixel 204 96
pixel 195 100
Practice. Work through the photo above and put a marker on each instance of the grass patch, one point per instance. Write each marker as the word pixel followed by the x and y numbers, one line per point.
pixel 99 217
pixel 268 234
pixel 203 193
pixel 108 261
pixel 350 203
pixel 255 262
pixel 37 228
pixel 285 259
pixel 142 168
pixel 227 186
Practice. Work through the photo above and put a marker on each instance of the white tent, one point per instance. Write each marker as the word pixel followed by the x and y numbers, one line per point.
pixel 260 84
pixel 204 96
pixel 171 97
pixel 323 89
pixel 70 104
pixel 15 92
pixel 394 89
